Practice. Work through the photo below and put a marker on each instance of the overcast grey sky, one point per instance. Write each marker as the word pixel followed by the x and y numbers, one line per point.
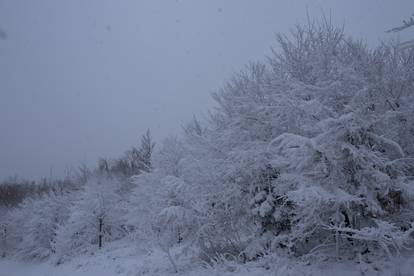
pixel 83 79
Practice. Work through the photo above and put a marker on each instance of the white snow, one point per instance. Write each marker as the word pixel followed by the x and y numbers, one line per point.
pixel 126 262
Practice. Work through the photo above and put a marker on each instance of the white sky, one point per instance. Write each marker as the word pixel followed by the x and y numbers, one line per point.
pixel 84 79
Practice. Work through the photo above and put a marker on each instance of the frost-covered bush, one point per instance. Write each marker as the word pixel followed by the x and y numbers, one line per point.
pixel 159 209
pixel 168 158
pixel 144 202
pixel 342 181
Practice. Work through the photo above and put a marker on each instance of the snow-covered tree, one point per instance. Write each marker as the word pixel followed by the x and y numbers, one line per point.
pixel 95 218
pixel 297 151
pixel 32 227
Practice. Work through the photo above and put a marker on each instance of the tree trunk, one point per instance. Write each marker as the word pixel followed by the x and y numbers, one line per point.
pixel 4 242
pixel 172 261
pixel 100 232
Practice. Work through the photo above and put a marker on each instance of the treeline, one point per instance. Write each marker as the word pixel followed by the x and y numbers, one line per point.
pixel 13 191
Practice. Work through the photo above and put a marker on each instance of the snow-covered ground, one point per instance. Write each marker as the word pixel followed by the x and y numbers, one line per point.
pixel 126 260
pixel 131 268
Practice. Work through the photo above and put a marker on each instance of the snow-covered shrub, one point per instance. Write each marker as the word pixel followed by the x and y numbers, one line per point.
pixel 159 207
pixel 168 158
pixel 158 212
pixel 174 226
pixel 144 202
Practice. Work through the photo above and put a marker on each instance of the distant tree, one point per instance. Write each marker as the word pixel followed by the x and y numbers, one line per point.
pixel 14 191
pixel 143 156
pixel 133 162
pixel 83 174
pixel 103 166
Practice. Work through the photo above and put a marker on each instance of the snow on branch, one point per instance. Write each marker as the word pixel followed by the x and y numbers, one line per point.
pixel 386 234
pixel 406 24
